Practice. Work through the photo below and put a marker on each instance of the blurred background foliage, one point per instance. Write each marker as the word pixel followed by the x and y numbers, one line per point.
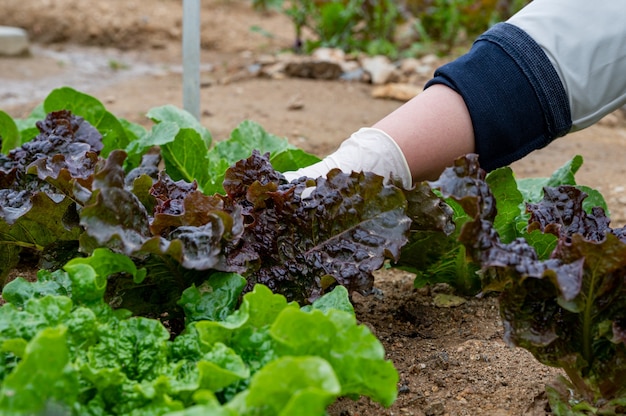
pixel 396 28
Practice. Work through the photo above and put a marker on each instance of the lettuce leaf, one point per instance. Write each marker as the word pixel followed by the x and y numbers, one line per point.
pixel 44 377
pixel 95 360
pixel 9 133
pixel 567 309
pixel 261 228
pixel 114 134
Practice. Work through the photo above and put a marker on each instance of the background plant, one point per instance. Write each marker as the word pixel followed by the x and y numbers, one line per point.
pixel 351 25
pixel 371 26
pixel 446 23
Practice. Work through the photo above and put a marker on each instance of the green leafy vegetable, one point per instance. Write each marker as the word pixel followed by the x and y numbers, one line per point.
pixel 43 377
pixel 9 134
pixel 62 348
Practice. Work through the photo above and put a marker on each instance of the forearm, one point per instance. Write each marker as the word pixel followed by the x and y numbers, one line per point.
pixel 513 94
pixel 432 130
pixel 522 85
pixel 557 65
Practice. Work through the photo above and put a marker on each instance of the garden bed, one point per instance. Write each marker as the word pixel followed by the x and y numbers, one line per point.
pixel 450 356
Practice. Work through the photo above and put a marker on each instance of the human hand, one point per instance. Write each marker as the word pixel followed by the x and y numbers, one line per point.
pixel 367 150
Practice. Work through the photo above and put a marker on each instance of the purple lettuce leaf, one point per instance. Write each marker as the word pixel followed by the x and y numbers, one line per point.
pixel 66 149
pixel 465 181
pixel 262 228
pixel 568 310
pixel 342 232
pixel 113 216
pixel 36 182
pixel 561 213
pixel 62 133
pixel 184 225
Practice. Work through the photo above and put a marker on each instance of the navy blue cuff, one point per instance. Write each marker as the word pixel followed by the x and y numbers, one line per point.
pixel 514 95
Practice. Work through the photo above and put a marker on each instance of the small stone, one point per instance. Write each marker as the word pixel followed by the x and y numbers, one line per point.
pixel 348 66
pixel 443 300
pixel 13 41
pixel 329 54
pixel 429 59
pixel 295 103
pixel 396 91
pixel 409 65
pixel 273 70
pixel 356 74
pixel 379 67
pixel 266 59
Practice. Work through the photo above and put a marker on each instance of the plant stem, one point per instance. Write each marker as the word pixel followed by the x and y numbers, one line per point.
pixel 587 320
pixel 24 245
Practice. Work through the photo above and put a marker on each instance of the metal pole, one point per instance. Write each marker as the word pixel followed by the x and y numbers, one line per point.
pixel 191 57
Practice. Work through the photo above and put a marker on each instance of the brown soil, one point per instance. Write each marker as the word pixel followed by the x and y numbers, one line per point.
pixel 452 361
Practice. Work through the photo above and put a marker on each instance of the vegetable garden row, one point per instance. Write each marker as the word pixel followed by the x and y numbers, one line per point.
pixel 183 276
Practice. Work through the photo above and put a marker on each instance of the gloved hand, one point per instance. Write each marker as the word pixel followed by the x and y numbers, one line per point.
pixel 367 150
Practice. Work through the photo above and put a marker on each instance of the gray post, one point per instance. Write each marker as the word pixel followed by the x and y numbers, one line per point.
pixel 191 57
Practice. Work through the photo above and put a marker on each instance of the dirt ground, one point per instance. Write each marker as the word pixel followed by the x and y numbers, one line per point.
pixel 452 361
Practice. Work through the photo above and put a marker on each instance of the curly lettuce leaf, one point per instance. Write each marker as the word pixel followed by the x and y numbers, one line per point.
pixel 128 212
pixel 36 192
pixel 266 327
pixel 221 367
pixel 261 228
pixel 532 188
pixel 565 309
pixel 340 234
pixel 247 137
pixel 355 354
pixel 137 346
pixel 114 134
pixel 192 234
pixel 214 299
pixel 433 252
pixel 44 378
pixel 114 214
pixel 289 385
pixel 127 364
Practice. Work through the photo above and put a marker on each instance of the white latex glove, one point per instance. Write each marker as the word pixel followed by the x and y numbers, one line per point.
pixel 367 150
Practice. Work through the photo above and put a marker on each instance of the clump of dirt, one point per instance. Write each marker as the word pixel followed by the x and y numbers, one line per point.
pixel 124 24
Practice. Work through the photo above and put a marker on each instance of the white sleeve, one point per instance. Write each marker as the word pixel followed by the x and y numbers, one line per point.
pixel 586 42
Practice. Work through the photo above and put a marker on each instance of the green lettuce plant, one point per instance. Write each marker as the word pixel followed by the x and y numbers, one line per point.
pixel 64 349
